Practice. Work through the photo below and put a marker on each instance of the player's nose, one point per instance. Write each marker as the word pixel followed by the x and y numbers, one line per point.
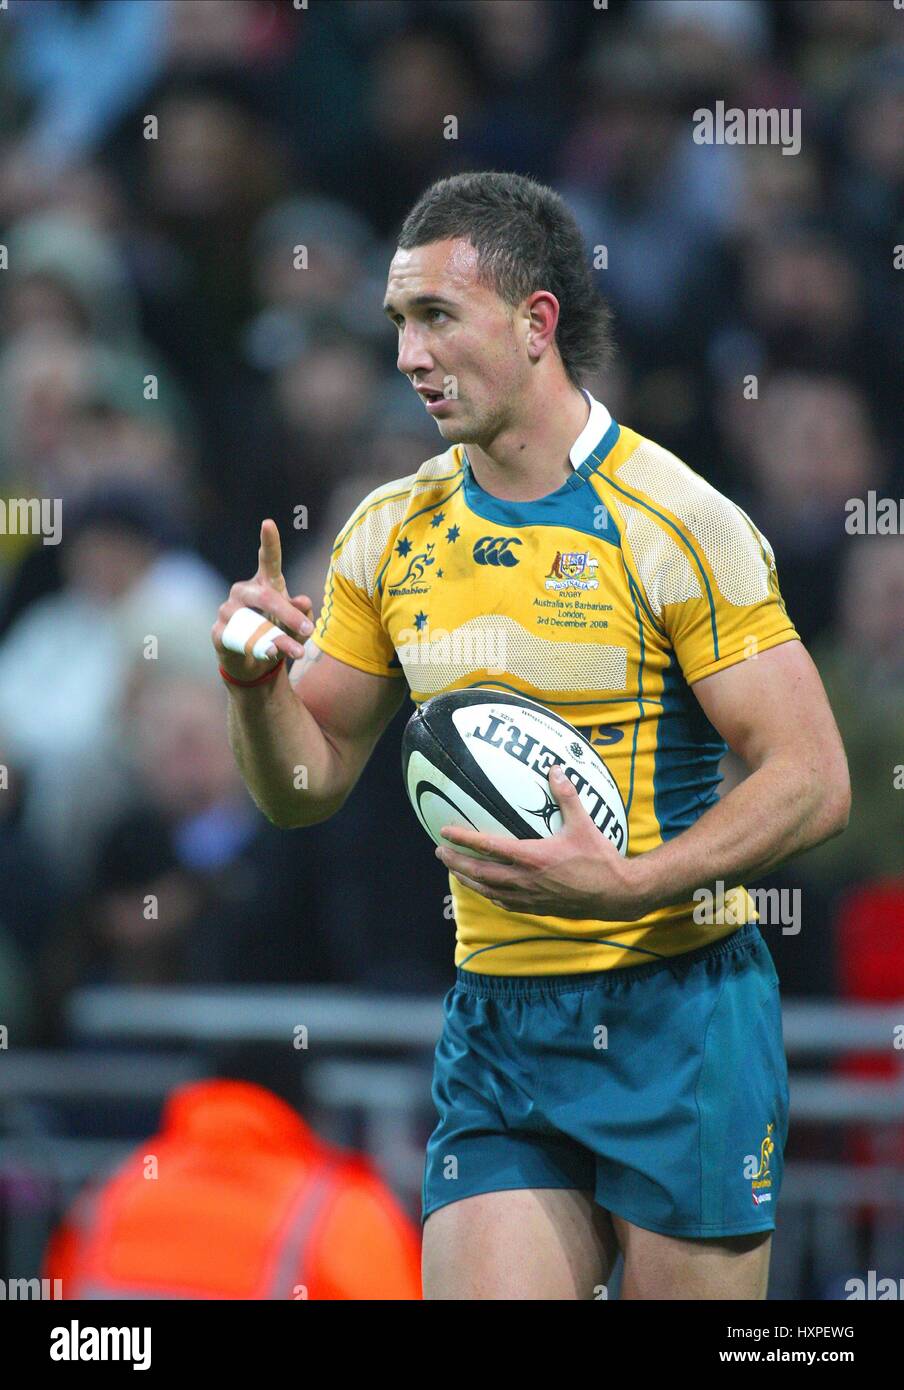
pixel 413 355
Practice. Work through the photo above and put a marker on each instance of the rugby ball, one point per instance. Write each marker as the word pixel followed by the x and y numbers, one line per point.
pixel 481 758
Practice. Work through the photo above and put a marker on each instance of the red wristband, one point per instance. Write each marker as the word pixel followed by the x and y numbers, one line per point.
pixel 259 680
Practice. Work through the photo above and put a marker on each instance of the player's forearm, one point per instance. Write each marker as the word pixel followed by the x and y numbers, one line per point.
pixel 780 810
pixel 282 753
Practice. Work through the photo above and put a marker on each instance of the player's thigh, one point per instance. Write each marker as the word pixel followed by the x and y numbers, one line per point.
pixel 523 1243
pixel 658 1266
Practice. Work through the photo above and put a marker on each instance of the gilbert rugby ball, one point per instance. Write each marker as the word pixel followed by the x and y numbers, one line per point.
pixel 480 758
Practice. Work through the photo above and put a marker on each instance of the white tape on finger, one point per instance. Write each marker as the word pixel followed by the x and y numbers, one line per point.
pixel 250 634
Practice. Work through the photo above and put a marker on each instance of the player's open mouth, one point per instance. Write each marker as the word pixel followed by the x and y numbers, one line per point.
pixel 434 400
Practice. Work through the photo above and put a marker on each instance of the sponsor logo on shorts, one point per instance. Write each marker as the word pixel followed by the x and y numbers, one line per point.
pixel 757 1169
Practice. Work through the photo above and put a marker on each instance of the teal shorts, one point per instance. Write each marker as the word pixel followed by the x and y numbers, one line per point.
pixel 662 1089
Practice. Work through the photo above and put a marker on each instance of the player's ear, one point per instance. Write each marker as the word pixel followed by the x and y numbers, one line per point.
pixel 542 309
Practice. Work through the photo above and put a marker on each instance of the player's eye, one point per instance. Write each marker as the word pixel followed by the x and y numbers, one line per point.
pixel 398 319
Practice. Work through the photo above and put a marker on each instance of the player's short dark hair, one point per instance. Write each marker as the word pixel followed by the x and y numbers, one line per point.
pixel 527 239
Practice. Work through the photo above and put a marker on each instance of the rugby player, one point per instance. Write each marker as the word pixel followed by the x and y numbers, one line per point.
pixel 611 1072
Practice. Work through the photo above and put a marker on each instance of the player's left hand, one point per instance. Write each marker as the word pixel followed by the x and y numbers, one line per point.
pixel 575 873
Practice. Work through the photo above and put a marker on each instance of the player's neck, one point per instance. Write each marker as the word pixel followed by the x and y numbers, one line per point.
pixel 530 460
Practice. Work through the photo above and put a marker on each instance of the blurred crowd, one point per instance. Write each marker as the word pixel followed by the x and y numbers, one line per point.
pixel 170 373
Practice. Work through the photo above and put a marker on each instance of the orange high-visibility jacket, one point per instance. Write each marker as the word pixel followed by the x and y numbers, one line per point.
pixel 237 1198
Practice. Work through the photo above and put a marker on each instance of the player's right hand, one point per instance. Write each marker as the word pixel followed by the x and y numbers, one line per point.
pixel 268 594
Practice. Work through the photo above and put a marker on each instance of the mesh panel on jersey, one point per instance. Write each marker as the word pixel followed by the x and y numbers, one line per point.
pixel 442 466
pixel 500 645
pixel 719 528
pixel 758 535
pixel 359 557
pixel 664 568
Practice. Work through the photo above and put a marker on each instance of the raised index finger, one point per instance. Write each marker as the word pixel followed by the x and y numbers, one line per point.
pixel 269 558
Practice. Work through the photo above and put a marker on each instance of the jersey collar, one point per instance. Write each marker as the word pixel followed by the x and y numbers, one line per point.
pixel 597 424
pixel 595 432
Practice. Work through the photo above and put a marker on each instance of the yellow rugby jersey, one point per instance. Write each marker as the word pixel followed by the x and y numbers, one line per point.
pixel 605 600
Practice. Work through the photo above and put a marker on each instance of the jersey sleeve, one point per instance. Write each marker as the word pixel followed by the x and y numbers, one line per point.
pixel 350 625
pixel 705 572
pixel 737 610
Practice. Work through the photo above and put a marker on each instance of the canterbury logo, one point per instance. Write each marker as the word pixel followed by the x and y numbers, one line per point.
pixel 494 550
